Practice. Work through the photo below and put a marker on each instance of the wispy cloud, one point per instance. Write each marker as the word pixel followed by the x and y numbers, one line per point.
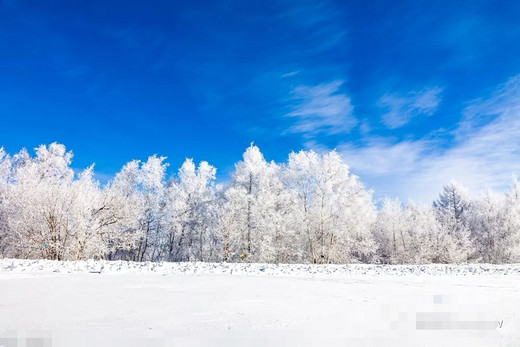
pixel 319 19
pixel 402 108
pixel 290 74
pixel 321 108
pixel 483 153
pixel 504 101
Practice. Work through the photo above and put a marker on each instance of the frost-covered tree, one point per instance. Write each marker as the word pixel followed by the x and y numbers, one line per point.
pixel 495 226
pixel 412 234
pixel 42 201
pixel 252 222
pixel 453 213
pixel 512 210
pixel 280 243
pixel 420 226
pixel 50 213
pixel 332 212
pixel 143 187
pixel 101 215
pixel 87 240
pixel 429 241
pixel 152 184
pixel 389 230
pixel 124 199
pixel 193 211
pixel 488 226
pixel 5 181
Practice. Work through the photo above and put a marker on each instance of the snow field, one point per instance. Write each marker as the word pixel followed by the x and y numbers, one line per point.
pixel 101 303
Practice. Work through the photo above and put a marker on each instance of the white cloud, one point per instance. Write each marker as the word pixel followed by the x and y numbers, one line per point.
pixel 402 108
pixel 484 153
pixel 321 109
pixel 290 74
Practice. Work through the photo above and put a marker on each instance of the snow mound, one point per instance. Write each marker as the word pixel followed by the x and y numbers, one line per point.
pixel 191 268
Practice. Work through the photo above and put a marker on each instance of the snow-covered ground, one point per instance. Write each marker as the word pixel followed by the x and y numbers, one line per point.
pixel 96 303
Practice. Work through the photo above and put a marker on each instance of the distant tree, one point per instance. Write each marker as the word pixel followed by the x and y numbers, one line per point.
pixel 429 241
pixel 412 234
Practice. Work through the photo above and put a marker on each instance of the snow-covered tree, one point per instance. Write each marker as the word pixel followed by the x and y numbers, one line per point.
pixel 412 234
pixel 50 213
pixel 332 211
pixel 99 216
pixel 252 222
pixel 428 241
pixel 389 230
pixel 193 211
pixel 141 191
pixel 5 181
pixel 453 213
pixel 42 202
pixel 124 199
pixel 152 180
pixel 512 211
pixel 495 226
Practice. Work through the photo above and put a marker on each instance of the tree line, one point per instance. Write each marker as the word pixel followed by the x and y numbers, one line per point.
pixel 310 209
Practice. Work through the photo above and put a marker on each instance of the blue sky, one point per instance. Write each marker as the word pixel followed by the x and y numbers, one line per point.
pixel 412 93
